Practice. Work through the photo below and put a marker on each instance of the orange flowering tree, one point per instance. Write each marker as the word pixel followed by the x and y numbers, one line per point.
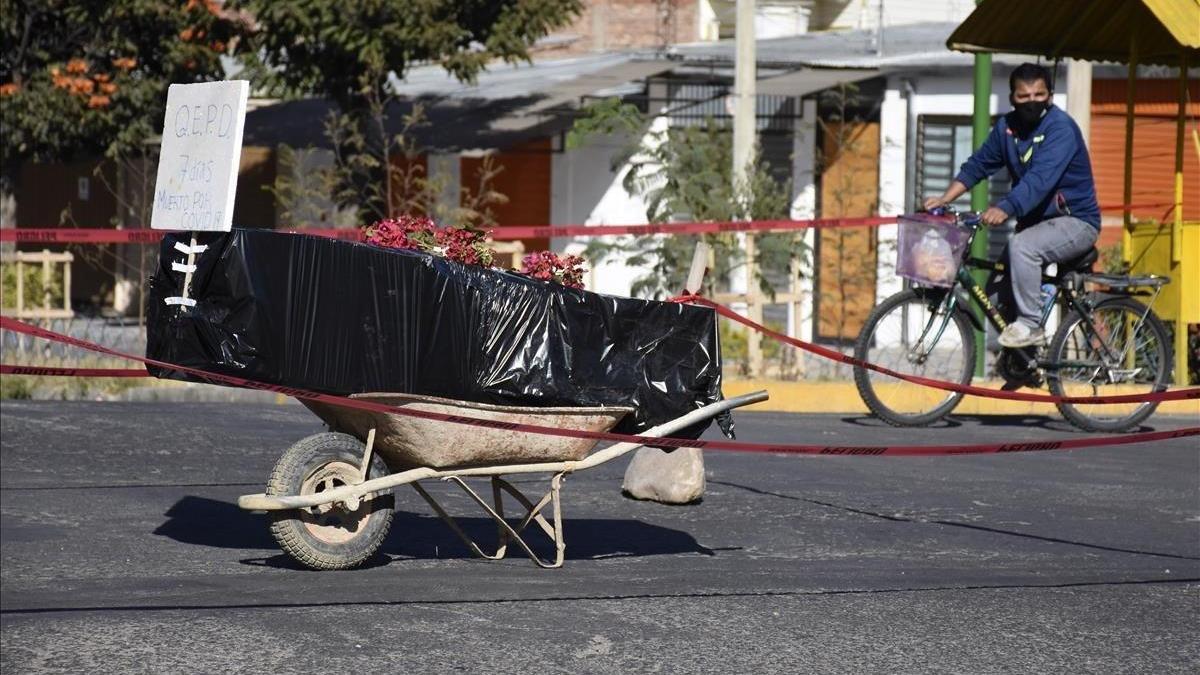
pixel 91 77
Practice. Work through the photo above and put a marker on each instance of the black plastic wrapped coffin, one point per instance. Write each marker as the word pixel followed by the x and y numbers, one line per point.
pixel 340 318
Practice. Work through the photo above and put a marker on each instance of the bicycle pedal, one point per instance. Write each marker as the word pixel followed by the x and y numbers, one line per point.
pixel 1011 385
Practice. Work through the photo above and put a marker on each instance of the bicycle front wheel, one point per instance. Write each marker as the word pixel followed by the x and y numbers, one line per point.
pixel 1123 348
pixel 912 334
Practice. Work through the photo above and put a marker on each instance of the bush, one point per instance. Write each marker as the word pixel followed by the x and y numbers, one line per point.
pixel 16 387
pixel 734 346
pixel 32 281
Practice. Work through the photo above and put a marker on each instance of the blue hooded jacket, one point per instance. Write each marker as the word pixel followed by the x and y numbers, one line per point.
pixel 1050 169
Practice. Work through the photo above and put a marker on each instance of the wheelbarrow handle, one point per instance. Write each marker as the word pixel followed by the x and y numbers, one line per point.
pixel 666 428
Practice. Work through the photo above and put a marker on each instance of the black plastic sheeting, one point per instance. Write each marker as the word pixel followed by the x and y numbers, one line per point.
pixel 339 318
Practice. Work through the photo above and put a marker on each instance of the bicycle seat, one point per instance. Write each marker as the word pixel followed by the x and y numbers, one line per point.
pixel 1080 263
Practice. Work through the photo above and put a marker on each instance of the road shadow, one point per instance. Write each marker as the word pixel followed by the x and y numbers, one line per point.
pixel 211 522
pixel 415 535
pixel 201 521
pixel 872 422
pixel 1045 422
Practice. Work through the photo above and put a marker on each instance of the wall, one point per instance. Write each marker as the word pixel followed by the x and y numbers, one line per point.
pixel 845 266
pixel 253 205
pixel 829 14
pixel 303 197
pixel 894 124
pixel 1153 147
pixel 46 192
pixel 804 206
pixel 586 190
pixel 621 24
pixel 524 181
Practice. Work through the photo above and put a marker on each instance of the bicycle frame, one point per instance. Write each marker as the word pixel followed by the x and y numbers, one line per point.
pixel 978 299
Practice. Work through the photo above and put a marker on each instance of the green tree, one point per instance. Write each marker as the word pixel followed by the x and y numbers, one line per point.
pixel 349 50
pixel 686 174
pixel 90 76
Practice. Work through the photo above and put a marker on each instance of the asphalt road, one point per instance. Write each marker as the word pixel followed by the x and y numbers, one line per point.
pixel 122 550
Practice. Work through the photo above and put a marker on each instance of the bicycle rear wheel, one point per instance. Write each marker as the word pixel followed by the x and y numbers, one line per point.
pixel 1117 352
pixel 910 333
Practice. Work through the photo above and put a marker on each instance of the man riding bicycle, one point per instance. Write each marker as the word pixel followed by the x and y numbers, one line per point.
pixel 1053 196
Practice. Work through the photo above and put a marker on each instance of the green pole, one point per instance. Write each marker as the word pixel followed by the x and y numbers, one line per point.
pixel 982 123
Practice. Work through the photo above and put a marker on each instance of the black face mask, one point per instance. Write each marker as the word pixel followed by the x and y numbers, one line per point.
pixel 1029 112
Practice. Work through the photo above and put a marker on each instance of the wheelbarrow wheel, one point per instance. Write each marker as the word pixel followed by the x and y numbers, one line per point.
pixel 333 536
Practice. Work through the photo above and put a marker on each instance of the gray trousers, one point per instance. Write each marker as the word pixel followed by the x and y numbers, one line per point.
pixel 1031 249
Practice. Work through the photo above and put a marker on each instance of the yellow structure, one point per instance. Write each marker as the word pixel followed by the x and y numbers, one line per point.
pixel 1159 32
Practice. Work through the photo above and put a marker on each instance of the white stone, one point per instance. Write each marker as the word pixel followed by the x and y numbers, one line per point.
pixel 668 477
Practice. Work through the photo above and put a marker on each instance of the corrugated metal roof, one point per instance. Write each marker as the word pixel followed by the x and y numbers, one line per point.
pixel 914 45
pixel 540 86
pixel 1097 30
pixel 507 81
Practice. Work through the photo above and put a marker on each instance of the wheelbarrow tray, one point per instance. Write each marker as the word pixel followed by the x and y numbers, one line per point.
pixel 405 442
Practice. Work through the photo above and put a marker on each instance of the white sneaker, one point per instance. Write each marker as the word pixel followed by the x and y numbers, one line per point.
pixel 1017 334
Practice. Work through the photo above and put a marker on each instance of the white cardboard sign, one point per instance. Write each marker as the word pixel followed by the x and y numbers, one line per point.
pixel 200 155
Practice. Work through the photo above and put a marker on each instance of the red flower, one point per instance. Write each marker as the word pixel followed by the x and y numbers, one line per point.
pixel 566 270
pixel 469 247
pixel 418 233
pixel 408 232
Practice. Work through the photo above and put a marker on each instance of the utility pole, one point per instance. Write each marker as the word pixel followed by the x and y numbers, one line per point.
pixel 744 114
pixel 879 32
pixel 745 124
pixel 982 125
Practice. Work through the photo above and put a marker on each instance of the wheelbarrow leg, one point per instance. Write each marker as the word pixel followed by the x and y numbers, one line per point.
pixel 501 531
pixel 505 531
pixel 534 513
pixel 454 524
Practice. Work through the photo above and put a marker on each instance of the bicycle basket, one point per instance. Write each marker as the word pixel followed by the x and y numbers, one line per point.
pixel 930 248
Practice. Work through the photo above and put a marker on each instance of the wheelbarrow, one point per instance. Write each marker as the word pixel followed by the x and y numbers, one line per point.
pixel 330 495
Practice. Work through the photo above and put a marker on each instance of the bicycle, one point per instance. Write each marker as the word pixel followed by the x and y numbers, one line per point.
pixel 1107 341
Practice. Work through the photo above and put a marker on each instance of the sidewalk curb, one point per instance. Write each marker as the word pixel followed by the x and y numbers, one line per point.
pixel 842 397
pixel 193 392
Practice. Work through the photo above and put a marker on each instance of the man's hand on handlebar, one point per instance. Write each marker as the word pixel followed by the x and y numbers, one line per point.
pixel 932 203
pixel 993 216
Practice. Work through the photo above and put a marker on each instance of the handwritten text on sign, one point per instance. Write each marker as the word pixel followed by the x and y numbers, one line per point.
pixel 201 151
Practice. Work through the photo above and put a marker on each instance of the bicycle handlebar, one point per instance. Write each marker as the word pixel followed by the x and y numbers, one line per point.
pixel 968 218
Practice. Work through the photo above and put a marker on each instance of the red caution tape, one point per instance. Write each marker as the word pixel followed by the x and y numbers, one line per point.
pixel 66 235
pixel 1173 395
pixel 71 235
pixel 6 369
pixel 892 450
